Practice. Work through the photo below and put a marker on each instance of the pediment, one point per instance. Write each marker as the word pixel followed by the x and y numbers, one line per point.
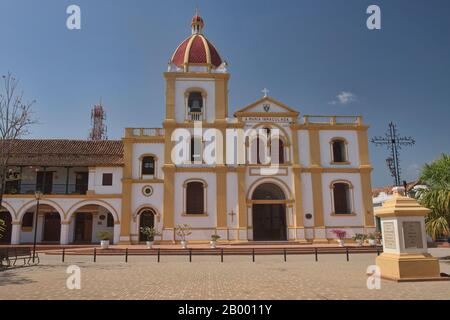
pixel 267 106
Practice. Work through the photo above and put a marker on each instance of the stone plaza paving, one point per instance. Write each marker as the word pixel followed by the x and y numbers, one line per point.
pixel 332 277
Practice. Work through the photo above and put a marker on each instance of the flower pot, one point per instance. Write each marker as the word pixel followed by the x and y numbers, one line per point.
pixel 359 242
pixel 184 244
pixel 372 242
pixel 104 244
pixel 213 244
pixel 149 244
pixel 340 242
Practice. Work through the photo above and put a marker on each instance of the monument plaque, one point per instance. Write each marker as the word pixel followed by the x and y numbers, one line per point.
pixel 412 235
pixel 389 235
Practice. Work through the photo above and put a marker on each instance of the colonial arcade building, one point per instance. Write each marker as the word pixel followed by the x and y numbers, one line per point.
pixel 321 181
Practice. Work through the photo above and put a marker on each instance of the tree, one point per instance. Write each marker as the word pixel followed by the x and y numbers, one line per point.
pixel 15 122
pixel 436 196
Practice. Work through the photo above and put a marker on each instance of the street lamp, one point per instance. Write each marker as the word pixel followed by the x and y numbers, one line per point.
pixel 37 196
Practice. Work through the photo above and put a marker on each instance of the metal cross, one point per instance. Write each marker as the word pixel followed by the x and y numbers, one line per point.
pixel 265 91
pixel 394 143
pixel 232 214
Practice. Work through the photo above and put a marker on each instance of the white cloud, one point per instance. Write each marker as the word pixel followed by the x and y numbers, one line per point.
pixel 343 98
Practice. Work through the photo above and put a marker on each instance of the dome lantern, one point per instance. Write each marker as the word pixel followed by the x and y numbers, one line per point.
pixel 196 53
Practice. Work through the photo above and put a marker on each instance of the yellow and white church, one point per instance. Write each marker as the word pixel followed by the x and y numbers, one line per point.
pixel 310 176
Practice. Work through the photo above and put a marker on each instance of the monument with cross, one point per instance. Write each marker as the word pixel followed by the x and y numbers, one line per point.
pixel 394 143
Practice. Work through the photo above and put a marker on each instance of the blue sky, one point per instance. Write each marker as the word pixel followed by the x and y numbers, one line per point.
pixel 305 52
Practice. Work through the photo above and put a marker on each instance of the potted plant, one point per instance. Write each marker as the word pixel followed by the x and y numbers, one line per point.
pixel 340 234
pixel 378 238
pixel 183 231
pixel 104 237
pixel 372 239
pixel 359 238
pixel 214 239
pixel 150 233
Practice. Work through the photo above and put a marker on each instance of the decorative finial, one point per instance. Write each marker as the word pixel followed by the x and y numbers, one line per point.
pixel 265 91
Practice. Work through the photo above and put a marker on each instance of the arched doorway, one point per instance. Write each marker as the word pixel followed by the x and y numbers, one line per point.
pixel 269 215
pixel 146 219
pixel 89 223
pixel 7 226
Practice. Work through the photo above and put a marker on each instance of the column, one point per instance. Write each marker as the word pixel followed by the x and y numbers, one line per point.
pixel 317 190
pixel 91 181
pixel 15 232
pixel 64 232
pixel 242 205
pixel 221 197
pixel 296 171
pixel 365 175
pixel 116 239
pixel 169 191
pixel 126 192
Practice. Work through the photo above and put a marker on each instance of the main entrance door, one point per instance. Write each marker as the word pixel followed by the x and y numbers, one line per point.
pixel 83 227
pixel 269 222
pixel 269 219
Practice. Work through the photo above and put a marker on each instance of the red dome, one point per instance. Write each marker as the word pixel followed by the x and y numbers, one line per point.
pixel 196 49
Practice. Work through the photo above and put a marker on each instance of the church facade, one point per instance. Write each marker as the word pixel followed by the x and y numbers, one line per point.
pixel 265 173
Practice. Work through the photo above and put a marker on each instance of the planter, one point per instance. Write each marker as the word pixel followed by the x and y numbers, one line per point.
pixel 184 244
pixel 359 242
pixel 340 242
pixel 372 242
pixel 149 244
pixel 213 244
pixel 104 244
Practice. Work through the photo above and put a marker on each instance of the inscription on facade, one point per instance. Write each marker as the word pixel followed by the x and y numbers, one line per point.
pixel 412 234
pixel 268 119
pixel 389 235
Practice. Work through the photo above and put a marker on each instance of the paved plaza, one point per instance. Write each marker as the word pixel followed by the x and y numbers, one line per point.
pixel 207 278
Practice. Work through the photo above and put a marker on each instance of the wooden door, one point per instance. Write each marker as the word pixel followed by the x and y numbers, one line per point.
pixel 52 227
pixel 83 227
pixel 269 222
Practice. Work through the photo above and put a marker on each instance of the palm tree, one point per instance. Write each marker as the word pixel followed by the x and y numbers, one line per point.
pixel 436 196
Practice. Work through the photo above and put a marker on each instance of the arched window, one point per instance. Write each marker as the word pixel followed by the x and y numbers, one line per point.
pixel 339 151
pixel 195 101
pixel 148 165
pixel 195 197
pixel 341 197
pixel 262 145
pixel 196 150
pixel 280 152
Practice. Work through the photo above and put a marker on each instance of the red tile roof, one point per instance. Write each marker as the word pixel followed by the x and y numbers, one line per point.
pixel 197 52
pixel 66 153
